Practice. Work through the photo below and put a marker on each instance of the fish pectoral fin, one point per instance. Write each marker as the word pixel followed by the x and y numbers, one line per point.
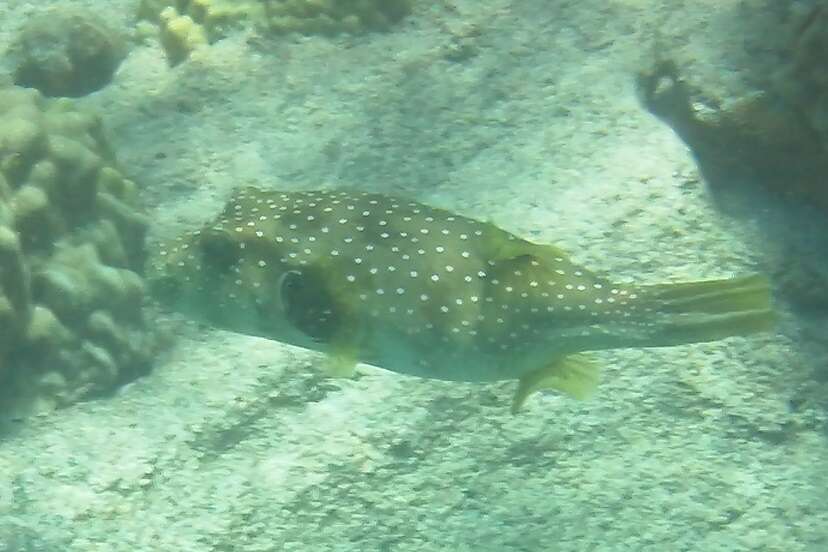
pixel 575 375
pixel 340 365
pixel 342 359
pixel 321 310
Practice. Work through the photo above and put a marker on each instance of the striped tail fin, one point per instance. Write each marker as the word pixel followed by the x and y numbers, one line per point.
pixel 693 312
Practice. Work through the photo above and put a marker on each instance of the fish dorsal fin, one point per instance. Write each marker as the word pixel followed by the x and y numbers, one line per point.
pixel 540 261
pixel 503 246
pixel 575 375
pixel 244 196
pixel 547 254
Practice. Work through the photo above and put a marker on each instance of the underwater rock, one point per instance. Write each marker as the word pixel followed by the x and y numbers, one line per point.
pixel 755 141
pixel 66 53
pixel 763 144
pixel 71 254
pixel 802 80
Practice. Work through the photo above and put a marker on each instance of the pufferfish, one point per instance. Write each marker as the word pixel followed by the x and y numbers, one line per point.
pixel 365 277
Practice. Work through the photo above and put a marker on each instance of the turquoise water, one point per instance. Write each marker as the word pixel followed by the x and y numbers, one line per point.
pixel 128 426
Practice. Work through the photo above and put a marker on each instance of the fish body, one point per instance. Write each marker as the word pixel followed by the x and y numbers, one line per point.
pixel 426 292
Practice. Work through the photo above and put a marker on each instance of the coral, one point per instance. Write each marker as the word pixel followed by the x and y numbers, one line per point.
pixel 215 18
pixel 71 254
pixel 334 16
pixel 180 35
pixel 777 137
pixel 66 53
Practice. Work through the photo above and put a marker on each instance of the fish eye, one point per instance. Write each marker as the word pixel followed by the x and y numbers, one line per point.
pixel 290 279
pixel 308 305
pixel 289 283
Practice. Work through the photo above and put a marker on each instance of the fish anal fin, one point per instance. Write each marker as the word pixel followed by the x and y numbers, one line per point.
pixel 575 375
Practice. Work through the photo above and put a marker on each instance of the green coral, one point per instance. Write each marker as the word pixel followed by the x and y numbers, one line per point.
pixel 71 254
pixel 215 18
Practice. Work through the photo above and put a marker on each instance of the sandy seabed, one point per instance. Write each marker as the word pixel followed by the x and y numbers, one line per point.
pixel 522 112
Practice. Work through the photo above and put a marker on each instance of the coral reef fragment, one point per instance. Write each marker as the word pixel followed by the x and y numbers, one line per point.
pixel 185 24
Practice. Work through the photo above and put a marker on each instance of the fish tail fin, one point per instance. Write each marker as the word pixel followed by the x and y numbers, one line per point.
pixel 692 312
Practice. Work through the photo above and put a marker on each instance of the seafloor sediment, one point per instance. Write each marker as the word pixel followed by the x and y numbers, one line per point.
pixel 519 112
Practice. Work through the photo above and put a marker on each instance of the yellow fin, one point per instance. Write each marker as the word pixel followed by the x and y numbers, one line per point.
pixel 692 312
pixel 575 375
pixel 340 365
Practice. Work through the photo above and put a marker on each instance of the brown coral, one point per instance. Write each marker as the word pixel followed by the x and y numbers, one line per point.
pixel 71 253
pixel 66 53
